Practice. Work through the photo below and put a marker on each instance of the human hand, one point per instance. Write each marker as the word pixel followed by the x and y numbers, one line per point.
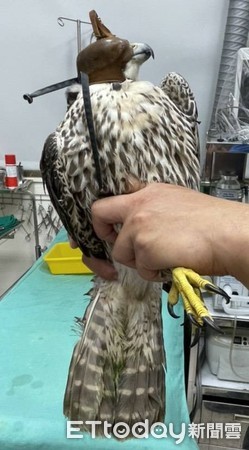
pixel 100 267
pixel 167 226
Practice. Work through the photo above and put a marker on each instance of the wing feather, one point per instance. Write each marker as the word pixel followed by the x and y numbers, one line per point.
pixel 69 205
pixel 178 90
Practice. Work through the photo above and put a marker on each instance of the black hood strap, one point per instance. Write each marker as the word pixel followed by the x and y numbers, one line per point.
pixel 90 124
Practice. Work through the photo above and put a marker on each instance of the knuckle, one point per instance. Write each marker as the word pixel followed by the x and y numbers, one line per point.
pixel 118 256
pixel 139 220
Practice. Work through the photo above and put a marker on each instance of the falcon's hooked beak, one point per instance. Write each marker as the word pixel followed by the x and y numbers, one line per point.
pixel 141 52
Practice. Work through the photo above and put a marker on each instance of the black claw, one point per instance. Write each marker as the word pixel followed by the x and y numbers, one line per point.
pixel 218 290
pixel 212 324
pixel 193 320
pixel 196 337
pixel 172 312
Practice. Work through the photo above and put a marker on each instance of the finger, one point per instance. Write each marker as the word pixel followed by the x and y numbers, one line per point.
pixel 151 275
pixel 126 253
pixel 100 267
pixel 72 243
pixel 106 213
pixel 123 249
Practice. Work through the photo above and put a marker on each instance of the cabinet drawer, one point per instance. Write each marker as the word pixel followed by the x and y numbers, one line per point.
pixel 224 417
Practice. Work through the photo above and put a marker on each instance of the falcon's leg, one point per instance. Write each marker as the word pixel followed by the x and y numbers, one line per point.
pixel 188 284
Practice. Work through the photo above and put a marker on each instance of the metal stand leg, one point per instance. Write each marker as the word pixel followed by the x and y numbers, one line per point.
pixel 36 232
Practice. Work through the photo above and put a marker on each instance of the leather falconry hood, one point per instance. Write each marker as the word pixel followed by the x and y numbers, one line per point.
pixel 99 29
pixel 105 59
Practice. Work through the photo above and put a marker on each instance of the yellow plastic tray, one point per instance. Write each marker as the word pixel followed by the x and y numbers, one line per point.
pixel 62 259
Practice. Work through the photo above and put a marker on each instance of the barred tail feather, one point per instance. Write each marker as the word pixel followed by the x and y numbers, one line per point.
pixel 90 386
pixel 141 394
pixel 117 368
pixel 141 387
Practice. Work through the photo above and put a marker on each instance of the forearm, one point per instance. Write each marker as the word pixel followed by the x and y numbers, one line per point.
pixel 235 242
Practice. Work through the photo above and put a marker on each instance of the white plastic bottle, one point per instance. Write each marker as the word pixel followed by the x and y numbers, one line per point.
pixel 228 187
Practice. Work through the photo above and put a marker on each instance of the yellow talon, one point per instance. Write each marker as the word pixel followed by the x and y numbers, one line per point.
pixel 190 310
pixel 188 283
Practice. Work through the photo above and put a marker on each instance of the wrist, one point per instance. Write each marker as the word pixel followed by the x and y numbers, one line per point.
pixel 234 241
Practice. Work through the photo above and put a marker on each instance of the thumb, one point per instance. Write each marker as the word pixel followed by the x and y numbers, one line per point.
pixel 106 213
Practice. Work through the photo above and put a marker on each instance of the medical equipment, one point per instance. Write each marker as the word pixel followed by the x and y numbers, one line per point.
pixel 239 302
pixel 228 353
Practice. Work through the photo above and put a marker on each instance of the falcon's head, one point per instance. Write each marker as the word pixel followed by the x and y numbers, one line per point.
pixel 109 59
pixel 141 52
pixel 112 59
